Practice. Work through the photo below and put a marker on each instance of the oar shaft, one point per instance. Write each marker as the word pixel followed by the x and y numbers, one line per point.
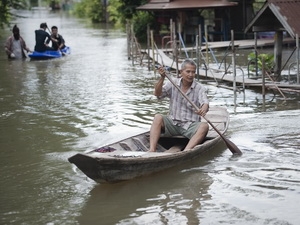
pixel 184 95
pixel 232 147
pixel 189 100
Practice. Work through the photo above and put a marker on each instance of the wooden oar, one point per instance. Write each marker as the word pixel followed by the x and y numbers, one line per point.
pixel 232 147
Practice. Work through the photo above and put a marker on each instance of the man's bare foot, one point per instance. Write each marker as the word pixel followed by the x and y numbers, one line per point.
pixel 175 148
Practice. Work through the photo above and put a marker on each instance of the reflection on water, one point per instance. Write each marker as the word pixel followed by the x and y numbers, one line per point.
pixel 171 197
pixel 50 110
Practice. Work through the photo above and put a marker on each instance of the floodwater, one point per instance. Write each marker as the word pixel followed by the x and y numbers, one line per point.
pixel 50 110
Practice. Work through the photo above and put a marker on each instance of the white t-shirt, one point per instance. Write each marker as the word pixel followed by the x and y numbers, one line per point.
pixel 17 49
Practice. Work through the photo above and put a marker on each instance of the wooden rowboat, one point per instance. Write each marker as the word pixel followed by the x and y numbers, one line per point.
pixel 128 158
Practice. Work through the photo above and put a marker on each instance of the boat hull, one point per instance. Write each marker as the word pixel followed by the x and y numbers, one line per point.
pixel 49 54
pixel 129 159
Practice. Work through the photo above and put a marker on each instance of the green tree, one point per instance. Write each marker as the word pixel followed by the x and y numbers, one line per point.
pixel 5 10
pixel 128 8
pixel 91 9
pixel 114 13
pixel 140 22
pixel 121 11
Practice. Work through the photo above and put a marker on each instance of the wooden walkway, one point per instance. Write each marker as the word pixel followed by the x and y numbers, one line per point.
pixel 160 57
pixel 249 43
pixel 246 43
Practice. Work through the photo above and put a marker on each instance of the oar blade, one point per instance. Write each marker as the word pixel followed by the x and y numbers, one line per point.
pixel 232 147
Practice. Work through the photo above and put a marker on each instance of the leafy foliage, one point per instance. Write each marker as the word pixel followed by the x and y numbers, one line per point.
pixel 114 13
pixel 120 12
pixel 267 58
pixel 92 9
pixel 140 19
pixel 5 9
pixel 140 22
pixel 128 7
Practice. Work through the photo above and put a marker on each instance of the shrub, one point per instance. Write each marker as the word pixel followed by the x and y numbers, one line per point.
pixel 268 58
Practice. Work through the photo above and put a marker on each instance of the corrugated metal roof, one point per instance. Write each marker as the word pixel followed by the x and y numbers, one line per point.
pixel 278 14
pixel 184 4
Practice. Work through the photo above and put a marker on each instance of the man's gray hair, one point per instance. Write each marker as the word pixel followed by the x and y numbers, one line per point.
pixel 189 62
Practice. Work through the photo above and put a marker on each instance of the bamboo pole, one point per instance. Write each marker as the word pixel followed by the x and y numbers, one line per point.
pixel 175 50
pixel 263 83
pixel 263 78
pixel 276 86
pixel 152 47
pixel 148 46
pixel 234 67
pixel 206 44
pixel 199 42
pixel 132 44
pixel 128 40
pixel 256 55
pixel 197 55
pixel 297 53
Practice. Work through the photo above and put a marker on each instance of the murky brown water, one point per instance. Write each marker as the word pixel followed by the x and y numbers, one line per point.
pixel 50 110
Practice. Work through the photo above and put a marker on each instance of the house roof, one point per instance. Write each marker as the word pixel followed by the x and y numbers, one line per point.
pixel 184 4
pixel 277 15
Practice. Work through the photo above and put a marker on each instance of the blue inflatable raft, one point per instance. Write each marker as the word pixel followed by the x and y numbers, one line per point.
pixel 50 54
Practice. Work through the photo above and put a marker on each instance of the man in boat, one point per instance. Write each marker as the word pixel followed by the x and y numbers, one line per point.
pixel 42 39
pixel 15 45
pixel 182 119
pixel 59 42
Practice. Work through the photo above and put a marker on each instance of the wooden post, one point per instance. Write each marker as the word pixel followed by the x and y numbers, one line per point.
pixel 105 4
pixel 263 82
pixel 234 66
pixel 263 77
pixel 197 56
pixel 175 50
pixel 278 53
pixel 256 55
pixel 206 43
pixel 200 45
pixel 128 39
pixel 152 46
pixel 132 44
pixel 171 31
pixel 198 49
pixel 148 46
pixel 179 34
pixel 297 53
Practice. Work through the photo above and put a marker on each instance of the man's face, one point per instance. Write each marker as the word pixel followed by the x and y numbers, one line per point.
pixel 188 73
pixel 54 31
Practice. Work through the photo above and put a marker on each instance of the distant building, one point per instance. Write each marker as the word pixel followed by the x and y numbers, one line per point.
pixel 217 16
pixel 278 17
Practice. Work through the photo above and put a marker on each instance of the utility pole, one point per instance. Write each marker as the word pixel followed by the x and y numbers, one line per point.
pixel 105 4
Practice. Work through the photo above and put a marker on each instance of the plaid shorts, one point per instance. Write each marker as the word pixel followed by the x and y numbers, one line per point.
pixel 174 130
